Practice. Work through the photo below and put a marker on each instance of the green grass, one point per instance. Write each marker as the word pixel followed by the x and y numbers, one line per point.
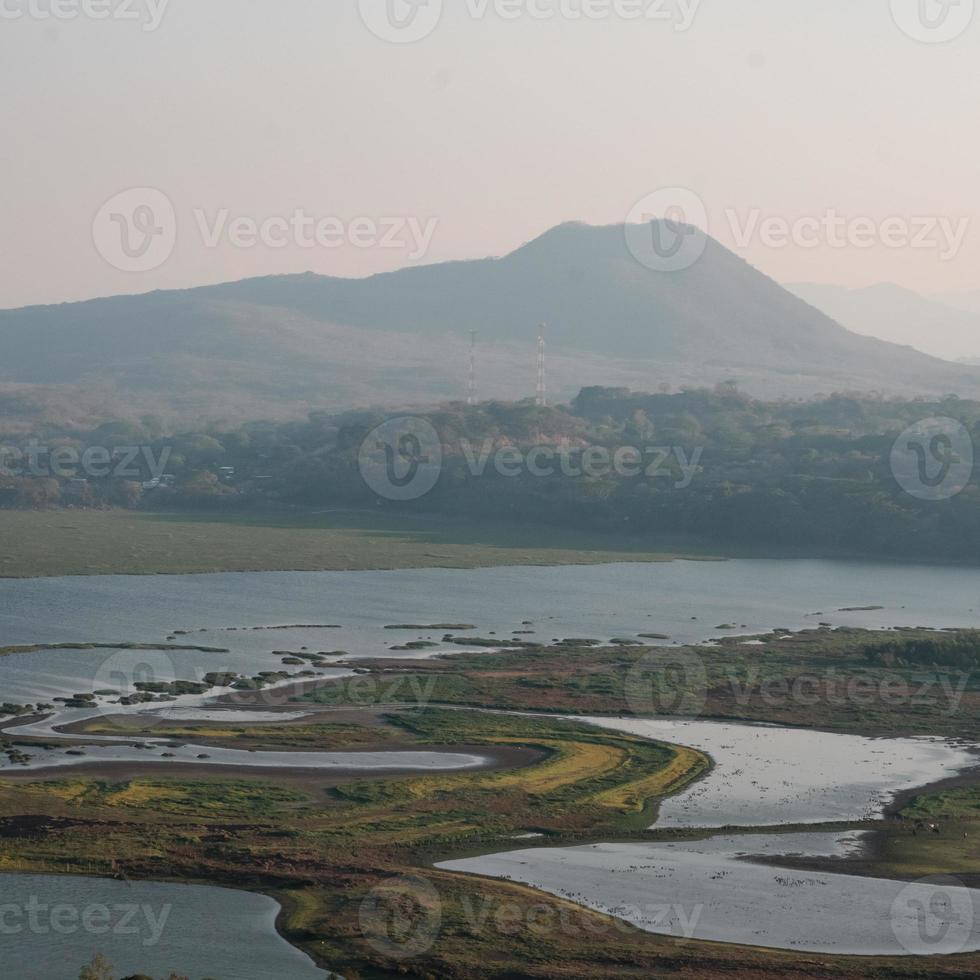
pixel 816 679
pixel 48 543
pixel 184 797
pixel 953 803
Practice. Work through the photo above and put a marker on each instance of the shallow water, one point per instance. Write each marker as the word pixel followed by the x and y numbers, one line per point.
pixel 51 926
pixel 686 600
pixel 365 762
pixel 708 890
pixel 766 776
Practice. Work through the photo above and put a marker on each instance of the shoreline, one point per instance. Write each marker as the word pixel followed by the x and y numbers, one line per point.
pixel 212 543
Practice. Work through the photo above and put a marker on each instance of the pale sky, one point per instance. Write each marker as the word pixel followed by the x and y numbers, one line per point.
pixel 486 133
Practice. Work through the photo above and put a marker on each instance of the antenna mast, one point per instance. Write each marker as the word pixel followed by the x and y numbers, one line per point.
pixel 542 394
pixel 471 388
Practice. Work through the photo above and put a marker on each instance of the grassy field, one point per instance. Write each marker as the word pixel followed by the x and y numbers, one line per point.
pixel 819 678
pixel 321 851
pixel 80 542
pixel 325 854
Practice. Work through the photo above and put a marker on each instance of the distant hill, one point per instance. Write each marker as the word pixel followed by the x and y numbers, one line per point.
pixel 968 300
pixel 281 346
pixel 900 316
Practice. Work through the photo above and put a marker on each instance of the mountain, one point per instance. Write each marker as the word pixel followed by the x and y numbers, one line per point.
pixel 968 300
pixel 281 346
pixel 900 316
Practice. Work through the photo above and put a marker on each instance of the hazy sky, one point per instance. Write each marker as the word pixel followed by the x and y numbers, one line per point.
pixel 484 134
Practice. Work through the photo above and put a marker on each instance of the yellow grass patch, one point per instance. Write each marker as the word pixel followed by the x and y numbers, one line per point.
pixel 574 762
pixel 686 765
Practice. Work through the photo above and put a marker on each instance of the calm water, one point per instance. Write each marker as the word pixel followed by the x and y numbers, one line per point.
pixel 686 600
pixel 711 890
pixel 51 926
pixel 758 779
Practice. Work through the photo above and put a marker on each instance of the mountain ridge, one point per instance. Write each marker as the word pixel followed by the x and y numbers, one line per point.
pixel 280 346
pixel 897 314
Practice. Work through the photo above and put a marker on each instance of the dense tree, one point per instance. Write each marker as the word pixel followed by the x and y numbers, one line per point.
pixel 813 475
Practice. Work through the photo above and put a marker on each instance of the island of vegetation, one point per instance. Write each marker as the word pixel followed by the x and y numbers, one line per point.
pixel 320 843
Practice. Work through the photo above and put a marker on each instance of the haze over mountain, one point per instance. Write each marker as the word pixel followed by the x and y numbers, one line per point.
pixel 968 300
pixel 901 316
pixel 280 346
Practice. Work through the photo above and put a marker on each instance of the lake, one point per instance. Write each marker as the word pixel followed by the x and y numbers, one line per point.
pixel 686 600
pixel 51 926
pixel 758 779
pixel 712 890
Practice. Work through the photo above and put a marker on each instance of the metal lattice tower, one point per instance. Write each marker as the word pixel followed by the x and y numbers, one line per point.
pixel 542 395
pixel 471 384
